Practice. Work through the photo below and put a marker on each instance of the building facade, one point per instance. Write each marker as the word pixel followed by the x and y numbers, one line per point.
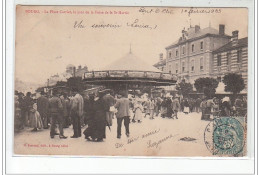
pixel 191 57
pixel 231 58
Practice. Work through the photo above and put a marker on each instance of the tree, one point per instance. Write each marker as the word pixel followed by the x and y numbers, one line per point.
pixel 207 86
pixel 184 88
pixel 234 83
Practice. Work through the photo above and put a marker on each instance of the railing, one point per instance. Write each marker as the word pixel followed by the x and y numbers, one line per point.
pixel 128 74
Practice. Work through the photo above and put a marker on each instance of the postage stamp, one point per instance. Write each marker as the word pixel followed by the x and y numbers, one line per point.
pixel 225 136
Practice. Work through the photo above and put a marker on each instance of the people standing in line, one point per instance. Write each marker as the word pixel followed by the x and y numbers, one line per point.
pixel 186 105
pixel 197 105
pixel 35 118
pixel 175 107
pixel 28 105
pixel 138 111
pixel 110 100
pixel 56 110
pixel 122 106
pixel 77 104
pixel 43 109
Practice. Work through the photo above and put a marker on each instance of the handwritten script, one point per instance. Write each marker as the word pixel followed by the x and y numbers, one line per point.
pixel 200 10
pixel 81 24
pixel 150 143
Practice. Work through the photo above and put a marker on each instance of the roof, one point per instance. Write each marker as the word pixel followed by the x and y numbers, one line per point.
pixel 160 63
pixel 130 62
pixel 243 42
pixel 190 34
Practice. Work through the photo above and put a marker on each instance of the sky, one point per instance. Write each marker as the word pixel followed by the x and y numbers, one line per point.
pixel 47 42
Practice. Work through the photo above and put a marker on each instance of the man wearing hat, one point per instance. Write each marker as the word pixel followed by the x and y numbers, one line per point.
pixel 123 113
pixel 43 109
pixel 56 110
pixel 77 105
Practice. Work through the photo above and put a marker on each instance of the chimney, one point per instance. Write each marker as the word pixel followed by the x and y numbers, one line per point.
pixel 221 29
pixel 234 38
pixel 161 56
pixel 197 28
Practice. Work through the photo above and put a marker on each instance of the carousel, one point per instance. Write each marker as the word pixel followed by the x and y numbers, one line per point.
pixel 129 73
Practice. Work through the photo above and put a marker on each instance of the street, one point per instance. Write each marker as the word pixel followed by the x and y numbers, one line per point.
pixel 158 137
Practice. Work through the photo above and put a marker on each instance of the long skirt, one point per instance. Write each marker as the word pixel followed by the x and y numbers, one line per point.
pixel 138 114
pixel 186 110
pixel 35 120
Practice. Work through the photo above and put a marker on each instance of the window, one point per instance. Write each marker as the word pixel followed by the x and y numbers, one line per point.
pixel 201 63
pixel 170 54
pixel 219 79
pixel 192 48
pixel 176 52
pixel 177 67
pixel 183 50
pixel 170 71
pixel 219 60
pixel 183 66
pixel 201 45
pixel 239 56
pixel 192 65
pixel 228 58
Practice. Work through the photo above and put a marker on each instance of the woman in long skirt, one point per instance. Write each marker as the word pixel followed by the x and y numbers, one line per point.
pixel 35 118
pixel 138 108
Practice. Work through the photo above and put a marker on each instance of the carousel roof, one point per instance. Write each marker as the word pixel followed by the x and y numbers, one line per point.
pixel 129 70
pixel 131 62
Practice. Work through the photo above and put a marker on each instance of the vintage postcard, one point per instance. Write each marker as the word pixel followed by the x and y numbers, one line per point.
pixel 131 81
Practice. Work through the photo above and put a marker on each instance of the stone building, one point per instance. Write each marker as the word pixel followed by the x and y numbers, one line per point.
pixel 231 58
pixel 190 57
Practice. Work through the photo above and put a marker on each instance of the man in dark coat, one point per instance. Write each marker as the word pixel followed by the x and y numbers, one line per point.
pixel 100 108
pixel 43 109
pixel 56 110
pixel 28 103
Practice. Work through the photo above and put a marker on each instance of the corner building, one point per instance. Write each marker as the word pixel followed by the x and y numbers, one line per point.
pixel 191 57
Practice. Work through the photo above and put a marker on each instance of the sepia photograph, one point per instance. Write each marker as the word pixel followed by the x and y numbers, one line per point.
pixel 131 81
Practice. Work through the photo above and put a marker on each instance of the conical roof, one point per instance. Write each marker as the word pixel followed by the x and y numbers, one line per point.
pixel 131 62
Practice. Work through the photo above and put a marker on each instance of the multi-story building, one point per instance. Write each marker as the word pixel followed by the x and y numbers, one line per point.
pixel 190 57
pixel 232 57
pixel 161 65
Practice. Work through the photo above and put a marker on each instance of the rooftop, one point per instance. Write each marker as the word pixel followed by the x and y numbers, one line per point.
pixel 243 42
pixel 196 32
pixel 130 62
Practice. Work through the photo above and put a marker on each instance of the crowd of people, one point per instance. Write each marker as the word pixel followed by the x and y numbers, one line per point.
pixel 97 111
